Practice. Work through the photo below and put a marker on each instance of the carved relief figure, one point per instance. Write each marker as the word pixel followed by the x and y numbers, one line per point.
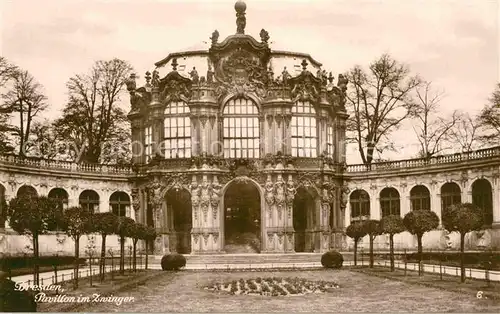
pixel 269 187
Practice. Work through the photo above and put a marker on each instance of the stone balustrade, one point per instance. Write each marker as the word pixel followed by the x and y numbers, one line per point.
pixel 31 162
pixel 486 153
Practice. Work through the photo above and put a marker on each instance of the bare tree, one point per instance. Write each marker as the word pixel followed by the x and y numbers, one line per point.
pixel 42 141
pixel 7 71
pixel 465 134
pixel 431 129
pixel 24 100
pixel 489 120
pixel 92 116
pixel 378 102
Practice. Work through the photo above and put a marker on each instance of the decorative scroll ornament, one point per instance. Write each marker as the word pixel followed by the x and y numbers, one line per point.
pixel 215 235
pixel 195 198
pixel 175 87
pixel 241 73
pixel 205 238
pixel 305 86
pixel 196 237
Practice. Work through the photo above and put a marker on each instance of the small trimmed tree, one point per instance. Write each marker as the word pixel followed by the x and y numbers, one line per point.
pixel 77 222
pixel 418 222
pixel 372 228
pixel 34 215
pixel 125 229
pixel 462 218
pixel 391 225
pixel 139 233
pixel 149 235
pixel 356 232
pixel 104 224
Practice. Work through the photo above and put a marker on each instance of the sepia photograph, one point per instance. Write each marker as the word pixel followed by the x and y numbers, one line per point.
pixel 250 156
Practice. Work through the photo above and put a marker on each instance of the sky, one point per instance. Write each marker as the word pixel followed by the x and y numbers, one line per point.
pixel 453 44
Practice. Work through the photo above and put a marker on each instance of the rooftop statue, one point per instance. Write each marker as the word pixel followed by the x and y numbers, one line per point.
pixel 241 21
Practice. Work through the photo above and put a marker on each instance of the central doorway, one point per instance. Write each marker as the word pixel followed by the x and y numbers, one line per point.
pixel 304 220
pixel 180 220
pixel 242 221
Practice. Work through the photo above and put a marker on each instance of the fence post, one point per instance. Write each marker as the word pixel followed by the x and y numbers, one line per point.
pixel 406 262
pixel 441 268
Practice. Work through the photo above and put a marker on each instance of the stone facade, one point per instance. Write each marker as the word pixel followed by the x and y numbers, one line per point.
pixel 271 122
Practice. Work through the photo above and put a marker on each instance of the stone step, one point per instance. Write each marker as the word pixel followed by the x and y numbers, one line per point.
pixel 252 258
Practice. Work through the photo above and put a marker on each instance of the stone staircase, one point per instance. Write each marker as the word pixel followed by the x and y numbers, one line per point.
pixel 252 260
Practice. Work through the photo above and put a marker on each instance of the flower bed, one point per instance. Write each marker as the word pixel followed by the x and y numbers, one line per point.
pixel 273 286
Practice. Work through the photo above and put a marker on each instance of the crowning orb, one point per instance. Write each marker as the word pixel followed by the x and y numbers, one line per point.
pixel 241 21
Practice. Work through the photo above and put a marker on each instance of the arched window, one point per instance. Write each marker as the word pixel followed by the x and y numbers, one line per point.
pixel 119 203
pixel 450 194
pixel 482 197
pixel 303 127
pixel 360 205
pixel 89 199
pixel 60 196
pixel 420 198
pixel 177 131
pixel 241 129
pixel 148 142
pixel 330 150
pixel 389 202
pixel 27 190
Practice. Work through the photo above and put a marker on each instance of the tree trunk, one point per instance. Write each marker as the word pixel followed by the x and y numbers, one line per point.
pixel 36 273
pixel 355 251
pixel 419 241
pixel 102 262
pixel 122 255
pixel 462 249
pixel 371 251
pixel 146 263
pixel 135 255
pixel 369 154
pixel 391 247
pixel 77 255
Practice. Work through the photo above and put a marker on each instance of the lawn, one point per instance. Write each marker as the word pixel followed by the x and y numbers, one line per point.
pixel 184 292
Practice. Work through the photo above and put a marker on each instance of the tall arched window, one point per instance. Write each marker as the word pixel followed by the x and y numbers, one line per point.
pixel 389 202
pixel 27 190
pixel 60 196
pixel 177 131
pixel 89 199
pixel 420 198
pixel 482 197
pixel 303 127
pixel 360 205
pixel 119 203
pixel 450 194
pixel 330 149
pixel 241 129
pixel 148 142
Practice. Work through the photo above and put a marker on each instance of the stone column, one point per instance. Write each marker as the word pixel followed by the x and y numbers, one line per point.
pixel 375 211
pixel 496 201
pixel 436 200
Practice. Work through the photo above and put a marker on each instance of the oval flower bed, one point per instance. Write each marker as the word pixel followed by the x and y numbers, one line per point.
pixel 273 286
